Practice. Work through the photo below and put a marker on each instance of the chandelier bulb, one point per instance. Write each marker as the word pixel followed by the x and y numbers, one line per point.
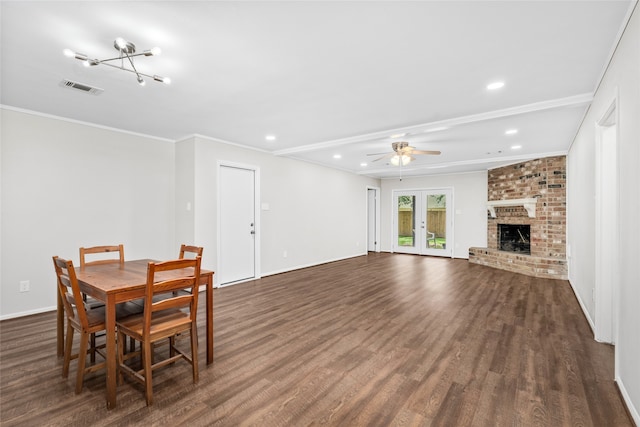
pixel 141 81
pixel 153 52
pixel 69 53
pixel 121 43
pixel 165 80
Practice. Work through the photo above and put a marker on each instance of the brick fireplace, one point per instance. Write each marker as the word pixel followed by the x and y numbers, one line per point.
pixel 532 193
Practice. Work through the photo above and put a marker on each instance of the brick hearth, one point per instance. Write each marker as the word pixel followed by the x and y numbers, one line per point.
pixel 545 180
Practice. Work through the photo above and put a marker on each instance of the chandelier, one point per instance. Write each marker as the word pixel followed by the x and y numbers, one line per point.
pixel 127 52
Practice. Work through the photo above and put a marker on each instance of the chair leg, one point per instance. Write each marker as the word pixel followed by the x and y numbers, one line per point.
pixel 194 352
pixel 120 355
pixel 172 346
pixel 148 376
pixel 82 355
pixel 92 349
pixel 67 351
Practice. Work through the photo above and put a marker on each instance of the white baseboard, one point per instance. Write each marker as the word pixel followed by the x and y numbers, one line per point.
pixel 584 309
pixel 627 400
pixel 27 313
pixel 285 270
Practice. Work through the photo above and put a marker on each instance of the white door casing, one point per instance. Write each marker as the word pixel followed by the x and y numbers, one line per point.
pixel 412 233
pixel 607 228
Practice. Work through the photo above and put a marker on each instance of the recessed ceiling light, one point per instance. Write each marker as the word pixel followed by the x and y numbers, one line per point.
pixel 337 156
pixel 511 132
pixel 270 137
pixel 398 135
pixel 516 147
pixel 363 164
pixel 495 85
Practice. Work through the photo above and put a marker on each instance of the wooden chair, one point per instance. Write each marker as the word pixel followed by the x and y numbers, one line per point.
pixel 101 250
pixel 163 319
pixel 195 251
pixel 90 302
pixel 85 321
pixel 187 252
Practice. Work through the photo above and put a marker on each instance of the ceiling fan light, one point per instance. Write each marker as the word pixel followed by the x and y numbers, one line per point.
pixel 396 160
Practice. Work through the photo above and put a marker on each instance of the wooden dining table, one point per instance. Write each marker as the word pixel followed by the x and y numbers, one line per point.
pixel 116 283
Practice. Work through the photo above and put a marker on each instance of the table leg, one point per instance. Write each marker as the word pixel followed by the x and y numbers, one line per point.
pixel 112 376
pixel 60 326
pixel 210 320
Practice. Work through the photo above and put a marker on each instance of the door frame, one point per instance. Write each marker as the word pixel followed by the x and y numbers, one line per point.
pixel 377 217
pixel 607 266
pixel 421 193
pixel 256 216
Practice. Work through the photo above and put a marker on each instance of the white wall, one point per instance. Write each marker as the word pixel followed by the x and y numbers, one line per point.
pixel 623 77
pixel 67 185
pixel 185 193
pixel 470 207
pixel 316 214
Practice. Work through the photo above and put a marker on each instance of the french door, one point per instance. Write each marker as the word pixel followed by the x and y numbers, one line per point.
pixel 423 222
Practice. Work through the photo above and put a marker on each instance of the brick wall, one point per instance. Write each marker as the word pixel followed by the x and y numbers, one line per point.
pixel 545 180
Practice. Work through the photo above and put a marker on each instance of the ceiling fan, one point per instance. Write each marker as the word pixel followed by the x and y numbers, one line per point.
pixel 402 154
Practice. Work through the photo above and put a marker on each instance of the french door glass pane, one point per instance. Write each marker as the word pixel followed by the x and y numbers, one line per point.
pixel 436 237
pixel 406 220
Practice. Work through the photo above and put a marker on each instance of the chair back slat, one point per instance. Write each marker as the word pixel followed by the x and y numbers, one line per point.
pixel 169 277
pixel 69 290
pixel 193 251
pixel 101 250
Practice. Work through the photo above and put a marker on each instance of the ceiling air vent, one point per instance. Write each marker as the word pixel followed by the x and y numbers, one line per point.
pixel 82 87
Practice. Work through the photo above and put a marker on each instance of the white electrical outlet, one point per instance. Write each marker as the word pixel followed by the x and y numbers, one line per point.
pixel 24 286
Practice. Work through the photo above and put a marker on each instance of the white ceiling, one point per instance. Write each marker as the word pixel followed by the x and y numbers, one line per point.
pixel 325 77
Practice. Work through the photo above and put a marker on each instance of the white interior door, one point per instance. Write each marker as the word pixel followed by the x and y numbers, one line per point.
pixel 237 225
pixel 423 222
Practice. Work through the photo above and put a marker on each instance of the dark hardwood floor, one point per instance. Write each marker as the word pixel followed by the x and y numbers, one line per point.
pixel 371 341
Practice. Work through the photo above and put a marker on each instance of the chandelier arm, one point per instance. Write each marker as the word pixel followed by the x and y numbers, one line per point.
pixel 127 69
pixel 132 66
pixel 100 61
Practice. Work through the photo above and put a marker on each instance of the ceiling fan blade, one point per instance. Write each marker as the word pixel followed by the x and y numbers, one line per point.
pixel 388 156
pixel 377 154
pixel 425 152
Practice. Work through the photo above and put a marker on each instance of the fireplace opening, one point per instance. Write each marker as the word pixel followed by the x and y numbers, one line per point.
pixel 514 238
